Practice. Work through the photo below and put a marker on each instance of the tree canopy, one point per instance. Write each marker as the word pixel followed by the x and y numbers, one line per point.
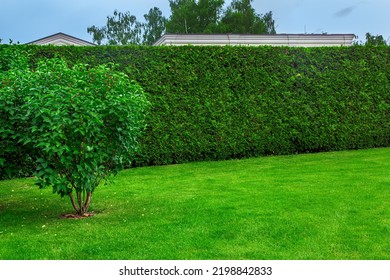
pixel 154 27
pixel 191 16
pixel 208 16
pixel 187 16
pixel 241 17
pixel 125 29
pixel 375 40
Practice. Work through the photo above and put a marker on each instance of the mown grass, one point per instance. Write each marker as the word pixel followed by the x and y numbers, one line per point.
pixel 312 206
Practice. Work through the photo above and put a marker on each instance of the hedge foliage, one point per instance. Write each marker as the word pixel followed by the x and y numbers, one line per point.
pixel 215 103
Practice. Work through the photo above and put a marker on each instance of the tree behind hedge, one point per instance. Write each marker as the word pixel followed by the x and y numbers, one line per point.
pixel 82 124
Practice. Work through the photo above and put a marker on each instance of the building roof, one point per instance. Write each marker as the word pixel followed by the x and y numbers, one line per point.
pixel 61 39
pixel 292 40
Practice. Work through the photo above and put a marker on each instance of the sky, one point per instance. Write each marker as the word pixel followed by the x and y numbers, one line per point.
pixel 24 21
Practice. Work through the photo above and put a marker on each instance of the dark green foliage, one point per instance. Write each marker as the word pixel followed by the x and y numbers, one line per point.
pixel 230 102
pixel 16 160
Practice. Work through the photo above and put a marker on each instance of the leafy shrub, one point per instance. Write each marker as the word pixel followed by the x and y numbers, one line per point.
pixel 81 124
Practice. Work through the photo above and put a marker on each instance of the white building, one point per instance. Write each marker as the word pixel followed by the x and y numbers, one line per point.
pixel 61 39
pixel 291 40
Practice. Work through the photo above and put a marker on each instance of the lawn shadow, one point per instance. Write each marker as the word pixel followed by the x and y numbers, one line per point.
pixel 31 210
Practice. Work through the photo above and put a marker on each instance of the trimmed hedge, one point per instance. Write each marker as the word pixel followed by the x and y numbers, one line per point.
pixel 215 103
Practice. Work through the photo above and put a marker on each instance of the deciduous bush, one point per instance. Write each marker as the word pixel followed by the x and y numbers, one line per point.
pixel 80 123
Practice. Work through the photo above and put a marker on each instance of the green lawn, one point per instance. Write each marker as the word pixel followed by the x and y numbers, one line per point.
pixel 312 206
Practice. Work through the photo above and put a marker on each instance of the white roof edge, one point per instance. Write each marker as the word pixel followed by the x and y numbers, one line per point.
pixel 61 39
pixel 307 40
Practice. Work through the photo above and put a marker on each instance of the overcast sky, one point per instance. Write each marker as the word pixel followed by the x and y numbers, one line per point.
pixel 27 20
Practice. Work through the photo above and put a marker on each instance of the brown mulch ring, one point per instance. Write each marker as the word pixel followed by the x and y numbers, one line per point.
pixel 76 216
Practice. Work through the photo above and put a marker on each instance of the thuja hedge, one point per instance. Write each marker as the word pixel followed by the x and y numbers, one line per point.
pixel 214 103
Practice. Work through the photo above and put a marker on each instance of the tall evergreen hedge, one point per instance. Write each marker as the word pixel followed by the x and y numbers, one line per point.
pixel 214 103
